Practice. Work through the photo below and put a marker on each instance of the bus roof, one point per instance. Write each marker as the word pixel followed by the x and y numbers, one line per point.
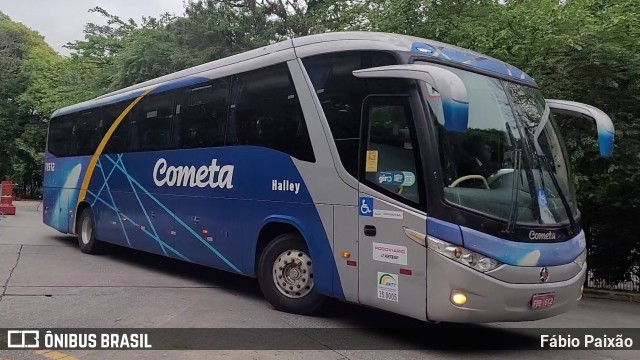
pixel 343 40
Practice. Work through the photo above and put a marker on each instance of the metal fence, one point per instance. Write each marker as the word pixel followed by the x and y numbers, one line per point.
pixel 631 285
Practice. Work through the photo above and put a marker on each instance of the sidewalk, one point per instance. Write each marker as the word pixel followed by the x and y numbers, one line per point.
pixel 630 296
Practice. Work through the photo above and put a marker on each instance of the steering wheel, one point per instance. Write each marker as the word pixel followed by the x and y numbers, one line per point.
pixel 470 177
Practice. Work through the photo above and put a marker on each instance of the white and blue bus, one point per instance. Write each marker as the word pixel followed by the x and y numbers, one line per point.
pixel 385 170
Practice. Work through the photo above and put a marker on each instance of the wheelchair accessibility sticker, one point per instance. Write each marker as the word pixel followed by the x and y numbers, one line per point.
pixel 366 209
pixel 366 206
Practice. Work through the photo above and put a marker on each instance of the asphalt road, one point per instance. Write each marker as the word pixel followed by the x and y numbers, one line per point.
pixel 45 281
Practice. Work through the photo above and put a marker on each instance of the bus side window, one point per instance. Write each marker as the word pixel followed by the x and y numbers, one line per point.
pixel 151 123
pixel 118 141
pixel 390 136
pixel 201 115
pixel 265 111
pixel 341 95
pixel 87 132
pixel 59 143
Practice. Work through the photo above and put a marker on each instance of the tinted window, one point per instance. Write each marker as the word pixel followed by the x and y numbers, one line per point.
pixel 201 115
pixel 150 125
pixel 87 132
pixel 60 143
pixel 80 133
pixel 265 111
pixel 391 161
pixel 118 141
pixel 341 94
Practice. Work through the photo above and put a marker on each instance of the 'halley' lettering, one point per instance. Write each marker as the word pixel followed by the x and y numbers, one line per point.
pixel 285 185
pixel 213 175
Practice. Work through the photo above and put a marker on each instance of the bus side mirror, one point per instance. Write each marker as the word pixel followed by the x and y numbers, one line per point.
pixel 450 88
pixel 606 130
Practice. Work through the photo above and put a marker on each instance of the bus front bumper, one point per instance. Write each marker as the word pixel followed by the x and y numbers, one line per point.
pixel 489 299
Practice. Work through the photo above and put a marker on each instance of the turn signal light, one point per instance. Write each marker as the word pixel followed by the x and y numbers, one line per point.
pixel 457 252
pixel 346 254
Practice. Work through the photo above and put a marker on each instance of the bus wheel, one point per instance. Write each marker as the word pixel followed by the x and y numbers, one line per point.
pixel 285 274
pixel 86 234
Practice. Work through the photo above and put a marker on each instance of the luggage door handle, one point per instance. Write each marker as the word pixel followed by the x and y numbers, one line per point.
pixel 370 230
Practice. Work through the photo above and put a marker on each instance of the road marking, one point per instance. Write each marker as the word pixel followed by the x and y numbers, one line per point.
pixel 55 355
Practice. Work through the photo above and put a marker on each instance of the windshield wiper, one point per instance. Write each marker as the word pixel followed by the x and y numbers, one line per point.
pixel 515 188
pixel 515 191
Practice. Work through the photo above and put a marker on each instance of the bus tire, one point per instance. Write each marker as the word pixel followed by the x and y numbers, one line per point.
pixel 86 233
pixel 285 275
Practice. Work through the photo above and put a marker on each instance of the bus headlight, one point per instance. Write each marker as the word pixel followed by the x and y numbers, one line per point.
pixel 581 259
pixel 464 256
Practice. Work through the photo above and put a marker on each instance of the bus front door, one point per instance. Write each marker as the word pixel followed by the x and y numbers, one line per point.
pixel 392 266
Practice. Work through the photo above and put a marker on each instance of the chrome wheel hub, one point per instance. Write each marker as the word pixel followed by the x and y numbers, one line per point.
pixel 85 230
pixel 293 273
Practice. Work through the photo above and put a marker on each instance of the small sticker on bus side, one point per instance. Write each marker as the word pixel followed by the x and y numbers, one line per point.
pixel 372 161
pixel 388 214
pixel 387 286
pixel 366 206
pixel 389 253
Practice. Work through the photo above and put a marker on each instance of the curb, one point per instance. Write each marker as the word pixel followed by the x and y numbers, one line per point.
pixel 612 295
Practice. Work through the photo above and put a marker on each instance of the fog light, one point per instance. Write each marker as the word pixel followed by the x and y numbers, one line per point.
pixel 458 299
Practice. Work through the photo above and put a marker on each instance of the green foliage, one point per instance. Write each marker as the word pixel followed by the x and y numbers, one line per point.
pixel 19 119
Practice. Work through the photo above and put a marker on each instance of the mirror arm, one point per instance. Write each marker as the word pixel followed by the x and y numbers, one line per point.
pixel 455 100
pixel 606 129
pixel 540 128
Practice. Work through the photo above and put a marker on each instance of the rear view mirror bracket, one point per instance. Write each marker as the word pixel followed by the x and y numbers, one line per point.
pixel 455 100
pixel 606 129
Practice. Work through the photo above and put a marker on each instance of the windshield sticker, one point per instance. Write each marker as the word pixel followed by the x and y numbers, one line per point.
pixel 547 216
pixel 372 161
pixel 387 286
pixel 409 178
pixel 385 177
pixel 404 178
pixel 388 253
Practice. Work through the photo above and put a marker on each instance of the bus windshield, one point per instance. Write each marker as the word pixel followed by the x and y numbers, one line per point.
pixel 493 167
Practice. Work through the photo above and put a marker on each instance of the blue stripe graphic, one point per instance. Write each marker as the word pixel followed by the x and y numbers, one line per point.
pixel 144 230
pixel 140 203
pixel 189 229
pixel 115 208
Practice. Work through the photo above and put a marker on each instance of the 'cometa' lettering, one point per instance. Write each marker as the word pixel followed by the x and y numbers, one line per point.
pixel 542 236
pixel 213 175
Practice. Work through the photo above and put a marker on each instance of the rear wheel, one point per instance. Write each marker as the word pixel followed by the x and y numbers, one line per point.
pixel 285 274
pixel 86 235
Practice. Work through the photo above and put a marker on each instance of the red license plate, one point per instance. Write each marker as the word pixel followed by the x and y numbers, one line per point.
pixel 542 301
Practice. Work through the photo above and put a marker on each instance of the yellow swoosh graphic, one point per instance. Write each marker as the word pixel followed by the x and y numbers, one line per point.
pixel 103 143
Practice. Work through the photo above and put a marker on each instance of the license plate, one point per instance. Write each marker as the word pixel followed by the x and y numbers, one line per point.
pixel 542 301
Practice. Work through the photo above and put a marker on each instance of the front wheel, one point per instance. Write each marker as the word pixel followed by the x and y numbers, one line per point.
pixel 285 274
pixel 86 234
